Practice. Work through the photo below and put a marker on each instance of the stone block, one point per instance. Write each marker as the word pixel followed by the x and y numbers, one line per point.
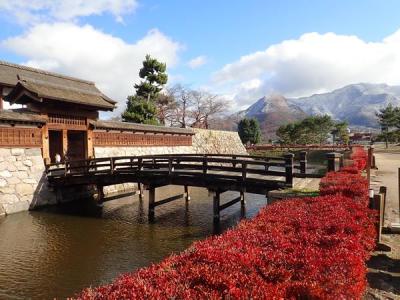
pixel 16 207
pixel 29 180
pixel 21 174
pixel 24 189
pixel 4 152
pixel 3 166
pixel 8 198
pixel 10 158
pixel 33 152
pixel 13 180
pixel 11 167
pixel 20 166
pixel 7 189
pixel 3 183
pixel 17 151
pixel 28 163
pixel 5 174
pixel 37 168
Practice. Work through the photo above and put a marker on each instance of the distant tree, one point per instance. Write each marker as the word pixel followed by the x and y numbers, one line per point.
pixel 340 133
pixel 249 131
pixel 194 108
pixel 142 107
pixel 311 130
pixel 205 107
pixel 388 118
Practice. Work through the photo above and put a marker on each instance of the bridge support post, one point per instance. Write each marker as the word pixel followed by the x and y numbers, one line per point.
pixel 333 161
pixel 100 194
pixel 152 200
pixel 187 196
pixel 289 169
pixel 140 188
pixel 216 202
pixel 242 202
pixel 303 162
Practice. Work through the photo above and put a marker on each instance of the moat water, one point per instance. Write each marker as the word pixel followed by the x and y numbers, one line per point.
pixel 57 252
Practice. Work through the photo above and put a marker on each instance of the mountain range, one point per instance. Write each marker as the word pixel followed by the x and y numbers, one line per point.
pixel 354 103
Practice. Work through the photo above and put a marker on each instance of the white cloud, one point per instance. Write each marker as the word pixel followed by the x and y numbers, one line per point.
pixel 88 53
pixel 197 62
pixel 313 63
pixel 32 11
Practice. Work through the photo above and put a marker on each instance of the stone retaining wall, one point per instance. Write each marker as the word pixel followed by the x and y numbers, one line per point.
pixel 22 181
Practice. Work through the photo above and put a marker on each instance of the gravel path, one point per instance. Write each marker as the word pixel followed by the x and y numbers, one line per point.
pixel 384 266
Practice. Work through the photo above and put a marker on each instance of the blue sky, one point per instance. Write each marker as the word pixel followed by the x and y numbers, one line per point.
pixel 244 49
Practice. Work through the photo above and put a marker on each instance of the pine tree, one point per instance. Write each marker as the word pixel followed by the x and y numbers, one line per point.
pixel 249 131
pixel 388 118
pixel 141 107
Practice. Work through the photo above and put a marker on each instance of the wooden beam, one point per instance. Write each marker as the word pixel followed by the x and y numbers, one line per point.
pixel 45 145
pixel 216 201
pixel 169 199
pixel 140 188
pixel 230 203
pixel 152 199
pixel 187 196
pixel 89 144
pixel 65 142
pixel 242 202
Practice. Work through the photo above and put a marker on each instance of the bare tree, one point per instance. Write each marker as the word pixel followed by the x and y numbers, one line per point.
pixel 183 102
pixel 194 108
pixel 206 106
pixel 166 105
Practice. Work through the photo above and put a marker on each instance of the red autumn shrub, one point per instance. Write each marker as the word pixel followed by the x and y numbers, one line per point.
pixel 359 157
pixel 307 248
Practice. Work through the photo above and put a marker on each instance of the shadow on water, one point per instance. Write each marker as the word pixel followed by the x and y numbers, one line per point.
pixel 57 251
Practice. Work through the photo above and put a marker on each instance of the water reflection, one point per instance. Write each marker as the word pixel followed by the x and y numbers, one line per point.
pixel 58 251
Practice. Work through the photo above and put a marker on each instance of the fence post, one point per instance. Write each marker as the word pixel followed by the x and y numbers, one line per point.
pixel 378 205
pixel 204 164
pixel 371 156
pixel 216 202
pixel 152 200
pixel 289 169
pixel 369 160
pixel 139 164
pixel 244 171
pixel 303 162
pixel 332 161
pixel 170 166
pixel 111 165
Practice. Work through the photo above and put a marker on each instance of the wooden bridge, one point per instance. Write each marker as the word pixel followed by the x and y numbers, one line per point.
pixel 216 172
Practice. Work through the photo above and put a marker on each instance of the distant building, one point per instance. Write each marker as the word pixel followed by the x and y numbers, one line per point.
pixel 360 137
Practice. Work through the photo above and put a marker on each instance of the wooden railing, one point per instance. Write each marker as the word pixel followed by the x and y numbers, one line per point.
pixel 240 167
pixel 298 147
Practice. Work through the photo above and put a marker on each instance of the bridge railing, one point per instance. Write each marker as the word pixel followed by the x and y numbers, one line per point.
pixel 239 167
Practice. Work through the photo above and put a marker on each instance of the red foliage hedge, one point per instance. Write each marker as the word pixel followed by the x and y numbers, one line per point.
pixel 308 248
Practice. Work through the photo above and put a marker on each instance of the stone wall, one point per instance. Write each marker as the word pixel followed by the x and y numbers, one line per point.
pixel 22 181
pixel 217 141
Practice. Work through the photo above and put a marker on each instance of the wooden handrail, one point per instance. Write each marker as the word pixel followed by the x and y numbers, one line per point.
pixel 179 164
